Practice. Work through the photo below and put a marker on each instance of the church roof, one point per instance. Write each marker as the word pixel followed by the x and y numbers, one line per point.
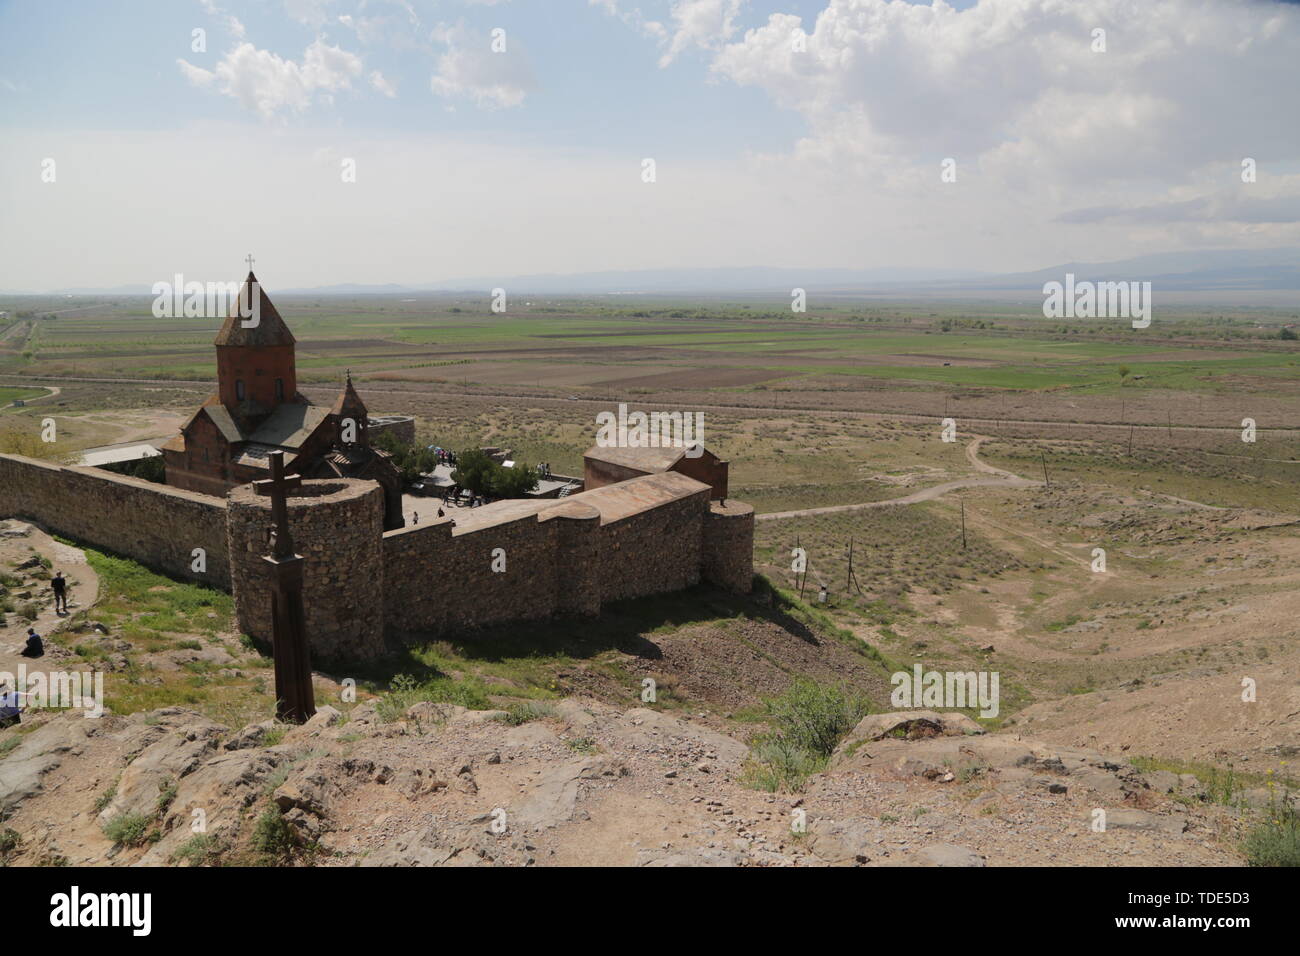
pixel 290 425
pixel 220 416
pixel 348 400
pixel 253 455
pixel 225 423
pixel 270 328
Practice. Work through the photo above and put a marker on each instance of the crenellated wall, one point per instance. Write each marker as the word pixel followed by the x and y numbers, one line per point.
pixel 516 560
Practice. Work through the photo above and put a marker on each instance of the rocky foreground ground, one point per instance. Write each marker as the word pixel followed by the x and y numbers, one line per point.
pixel 585 783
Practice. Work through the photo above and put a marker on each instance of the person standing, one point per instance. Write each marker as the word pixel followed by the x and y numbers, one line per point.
pixel 60 585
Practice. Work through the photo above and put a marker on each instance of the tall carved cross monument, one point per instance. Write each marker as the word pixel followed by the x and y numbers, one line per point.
pixel 295 699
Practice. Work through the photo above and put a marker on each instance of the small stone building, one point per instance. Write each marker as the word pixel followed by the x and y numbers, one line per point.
pixel 608 466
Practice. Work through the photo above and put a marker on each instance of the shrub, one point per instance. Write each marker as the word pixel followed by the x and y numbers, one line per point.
pixel 166 794
pixel 404 691
pixel 808 720
pixel 105 798
pixel 9 840
pixel 1275 841
pixel 522 713
pixel 202 849
pixel 271 834
pixel 128 829
pixel 776 764
pixel 815 717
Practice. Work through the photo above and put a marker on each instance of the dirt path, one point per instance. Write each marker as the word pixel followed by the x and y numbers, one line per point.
pixel 53 392
pixel 990 477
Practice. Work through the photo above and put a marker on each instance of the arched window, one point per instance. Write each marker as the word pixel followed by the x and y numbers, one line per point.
pixel 239 389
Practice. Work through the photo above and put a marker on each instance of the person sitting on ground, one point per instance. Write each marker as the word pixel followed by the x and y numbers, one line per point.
pixel 441 513
pixel 11 703
pixel 60 585
pixel 34 646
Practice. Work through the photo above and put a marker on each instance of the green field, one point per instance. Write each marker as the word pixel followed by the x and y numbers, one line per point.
pixel 612 341
pixel 8 394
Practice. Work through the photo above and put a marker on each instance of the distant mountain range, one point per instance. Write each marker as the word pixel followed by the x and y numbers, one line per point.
pixel 1218 271
pixel 1207 271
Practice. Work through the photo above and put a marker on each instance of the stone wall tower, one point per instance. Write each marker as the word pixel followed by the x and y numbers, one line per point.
pixel 337 526
pixel 728 551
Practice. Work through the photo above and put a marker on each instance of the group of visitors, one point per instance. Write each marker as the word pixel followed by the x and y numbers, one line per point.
pixel 11 701
pixel 454 495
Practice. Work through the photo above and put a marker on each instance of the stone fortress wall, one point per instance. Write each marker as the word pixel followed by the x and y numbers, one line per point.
pixel 153 524
pixel 337 526
pixel 363 586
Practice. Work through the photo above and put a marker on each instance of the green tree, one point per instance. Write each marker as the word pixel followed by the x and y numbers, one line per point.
pixel 411 461
pixel 514 482
pixel 474 471
pixel 483 476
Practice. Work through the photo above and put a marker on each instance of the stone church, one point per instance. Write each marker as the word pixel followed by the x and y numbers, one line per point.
pixel 257 409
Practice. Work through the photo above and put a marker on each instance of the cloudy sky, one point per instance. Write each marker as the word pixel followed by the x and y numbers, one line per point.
pixel 420 140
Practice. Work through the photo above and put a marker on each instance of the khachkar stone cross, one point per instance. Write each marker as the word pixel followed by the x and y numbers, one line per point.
pixel 295 699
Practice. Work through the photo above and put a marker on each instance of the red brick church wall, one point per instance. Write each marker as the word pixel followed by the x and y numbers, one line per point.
pixel 258 368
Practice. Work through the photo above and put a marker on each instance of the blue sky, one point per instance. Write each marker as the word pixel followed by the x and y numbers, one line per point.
pixel 471 162
pixel 612 95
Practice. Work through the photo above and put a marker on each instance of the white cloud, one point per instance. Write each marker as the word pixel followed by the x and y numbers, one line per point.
pixel 313 13
pixel 1015 82
pixel 232 24
pixel 702 23
pixel 632 17
pixel 397 29
pixel 382 85
pixel 469 69
pixel 265 83
pixel 1037 122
